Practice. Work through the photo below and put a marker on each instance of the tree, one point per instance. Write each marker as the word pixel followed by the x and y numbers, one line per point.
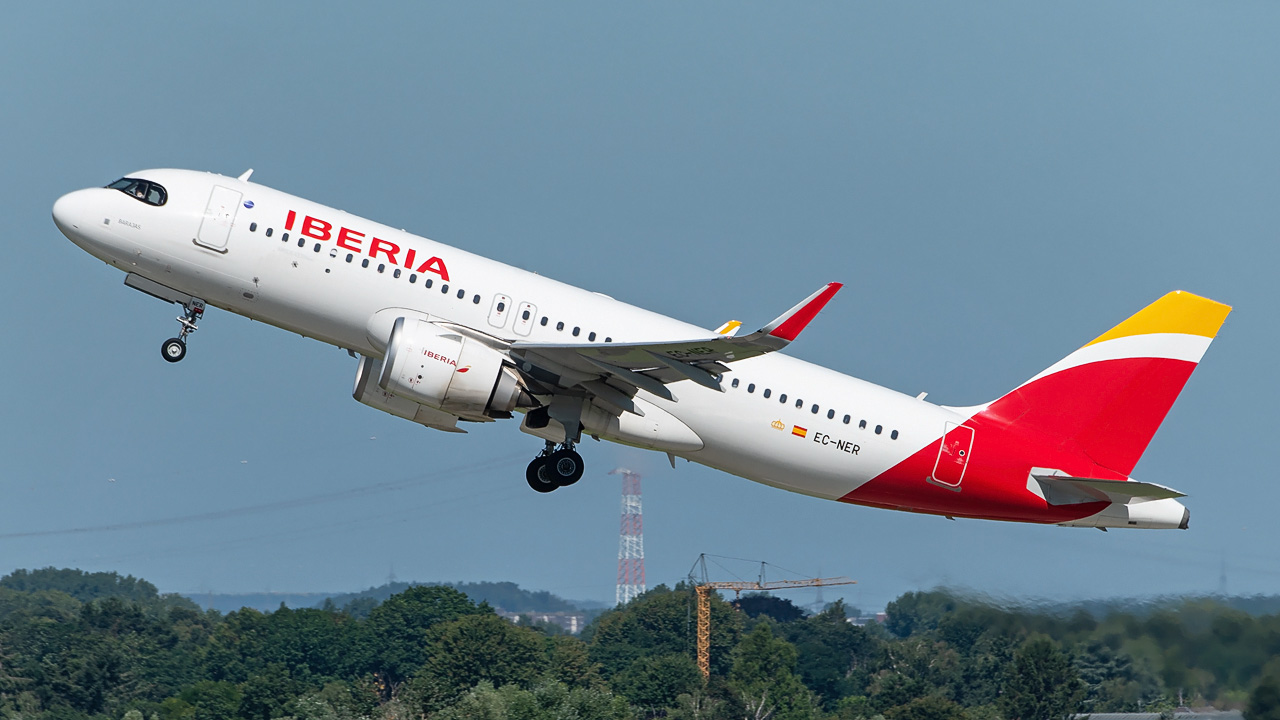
pixel 1041 683
pixel 931 707
pixel 1264 701
pixel 656 681
pixel 661 622
pixel 917 612
pixel 396 632
pixel 473 649
pixel 764 673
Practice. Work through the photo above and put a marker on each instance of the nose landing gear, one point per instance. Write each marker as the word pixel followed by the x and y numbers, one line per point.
pixel 174 349
pixel 555 468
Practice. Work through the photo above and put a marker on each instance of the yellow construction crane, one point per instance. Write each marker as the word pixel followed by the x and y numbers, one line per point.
pixel 705 586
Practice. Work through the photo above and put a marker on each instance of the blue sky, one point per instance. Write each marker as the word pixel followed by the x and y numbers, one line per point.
pixel 996 183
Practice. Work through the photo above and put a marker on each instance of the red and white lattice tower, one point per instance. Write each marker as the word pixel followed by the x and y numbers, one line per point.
pixel 630 540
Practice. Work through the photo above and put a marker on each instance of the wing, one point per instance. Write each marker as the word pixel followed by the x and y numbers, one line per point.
pixel 613 372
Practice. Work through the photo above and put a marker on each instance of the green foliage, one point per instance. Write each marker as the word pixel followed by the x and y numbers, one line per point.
pixel 477 648
pixel 86 586
pixel 395 639
pixel 98 646
pixel 1264 701
pixel 1041 684
pixel 661 622
pixel 656 681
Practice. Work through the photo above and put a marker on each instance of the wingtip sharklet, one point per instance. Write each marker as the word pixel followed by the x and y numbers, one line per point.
pixel 789 324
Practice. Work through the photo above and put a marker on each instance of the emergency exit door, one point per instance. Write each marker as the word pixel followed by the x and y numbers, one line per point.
pixel 219 215
pixel 953 456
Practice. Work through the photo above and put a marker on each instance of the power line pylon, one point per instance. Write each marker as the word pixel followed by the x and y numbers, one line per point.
pixel 704 586
pixel 630 540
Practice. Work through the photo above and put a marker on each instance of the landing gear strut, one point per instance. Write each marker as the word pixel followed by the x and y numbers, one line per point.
pixel 174 349
pixel 555 468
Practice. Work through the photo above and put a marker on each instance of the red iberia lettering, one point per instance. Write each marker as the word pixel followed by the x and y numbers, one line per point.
pixel 435 265
pixel 354 241
pixel 313 228
pixel 441 358
pixel 347 235
pixel 386 248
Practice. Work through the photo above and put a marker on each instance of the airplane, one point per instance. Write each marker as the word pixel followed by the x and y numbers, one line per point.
pixel 445 338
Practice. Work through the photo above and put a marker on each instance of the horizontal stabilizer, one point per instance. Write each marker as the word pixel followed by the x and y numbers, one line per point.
pixel 1062 490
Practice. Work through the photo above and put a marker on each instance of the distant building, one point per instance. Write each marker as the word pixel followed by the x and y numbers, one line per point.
pixel 571 622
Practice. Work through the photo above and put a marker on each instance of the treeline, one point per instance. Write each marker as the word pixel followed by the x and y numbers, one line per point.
pixel 504 595
pixel 82 646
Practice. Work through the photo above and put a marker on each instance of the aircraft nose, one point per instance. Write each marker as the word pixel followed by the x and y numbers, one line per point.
pixel 69 211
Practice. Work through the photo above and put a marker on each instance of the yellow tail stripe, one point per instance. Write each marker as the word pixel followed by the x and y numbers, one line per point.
pixel 1177 312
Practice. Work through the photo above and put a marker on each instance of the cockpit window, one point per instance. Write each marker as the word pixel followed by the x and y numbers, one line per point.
pixel 144 190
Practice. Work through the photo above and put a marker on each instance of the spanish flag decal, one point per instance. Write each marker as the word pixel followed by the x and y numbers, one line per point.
pixel 799 431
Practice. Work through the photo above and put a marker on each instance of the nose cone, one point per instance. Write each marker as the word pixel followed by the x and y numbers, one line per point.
pixel 70 212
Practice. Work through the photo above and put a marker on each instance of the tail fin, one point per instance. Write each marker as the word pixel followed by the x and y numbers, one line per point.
pixel 1108 398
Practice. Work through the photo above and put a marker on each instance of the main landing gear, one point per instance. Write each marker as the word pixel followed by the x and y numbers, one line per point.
pixel 174 349
pixel 555 468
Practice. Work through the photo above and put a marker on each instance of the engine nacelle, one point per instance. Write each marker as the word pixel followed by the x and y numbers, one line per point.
pixel 367 392
pixel 444 370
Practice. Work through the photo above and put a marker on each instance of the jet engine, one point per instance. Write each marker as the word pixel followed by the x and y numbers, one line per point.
pixel 432 366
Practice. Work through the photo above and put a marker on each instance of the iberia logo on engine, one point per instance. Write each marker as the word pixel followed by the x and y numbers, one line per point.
pixel 352 240
pixel 441 358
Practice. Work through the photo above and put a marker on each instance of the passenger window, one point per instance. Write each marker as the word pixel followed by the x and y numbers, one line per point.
pixel 767 391
pixel 462 294
pixel 382 266
pixel 284 237
pixel 862 424
pixel 396 273
pixel 268 233
pixel 544 321
pixel 302 242
pixel 576 330
pixel 751 388
pixel 879 429
pixel 427 283
pixel 782 398
pixel 502 306
pixel 831 414
pixel 734 383
pixel 475 300
pixel 444 289
pixel 592 336
pixel 560 326
pixel 350 257
pixel 814 410
pixel 316 248
pixel 847 419
pixel 413 278
pixel 608 339
pixel 799 404
pixel 364 263
pixel 524 315
pixel 253 227
pixel 893 435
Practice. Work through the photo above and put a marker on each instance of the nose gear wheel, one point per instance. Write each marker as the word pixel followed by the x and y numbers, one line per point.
pixel 175 348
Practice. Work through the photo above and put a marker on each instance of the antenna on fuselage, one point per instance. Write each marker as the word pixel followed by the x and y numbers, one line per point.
pixel 244 177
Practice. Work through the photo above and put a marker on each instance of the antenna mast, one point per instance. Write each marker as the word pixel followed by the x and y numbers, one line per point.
pixel 630 540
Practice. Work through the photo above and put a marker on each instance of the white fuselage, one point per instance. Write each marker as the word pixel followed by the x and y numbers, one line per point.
pixel 329 289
